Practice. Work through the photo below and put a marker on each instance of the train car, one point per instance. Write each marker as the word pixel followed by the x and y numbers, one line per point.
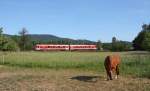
pixel 51 47
pixel 83 47
pixel 55 47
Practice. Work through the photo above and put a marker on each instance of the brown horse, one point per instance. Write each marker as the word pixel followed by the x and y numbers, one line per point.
pixel 112 65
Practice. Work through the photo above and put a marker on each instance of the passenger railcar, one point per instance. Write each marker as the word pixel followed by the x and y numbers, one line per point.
pixel 53 47
pixel 82 47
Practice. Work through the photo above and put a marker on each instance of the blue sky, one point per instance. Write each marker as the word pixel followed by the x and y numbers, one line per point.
pixel 78 19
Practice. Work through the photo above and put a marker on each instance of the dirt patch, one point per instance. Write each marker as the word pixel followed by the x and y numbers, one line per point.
pixel 66 80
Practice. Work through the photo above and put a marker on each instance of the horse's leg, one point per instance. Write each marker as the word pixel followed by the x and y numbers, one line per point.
pixel 107 71
pixel 110 74
pixel 117 71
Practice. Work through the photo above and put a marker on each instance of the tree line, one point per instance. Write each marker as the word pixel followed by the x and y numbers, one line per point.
pixel 142 40
pixel 23 42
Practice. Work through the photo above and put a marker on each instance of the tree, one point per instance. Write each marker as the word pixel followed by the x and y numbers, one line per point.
pixel 24 39
pixel 142 41
pixel 114 40
pixel 99 45
pixel 15 38
pixel 1 38
pixel 6 43
pixel 107 46
pixel 114 44
pixel 10 45
pixel 118 45
pixel 1 31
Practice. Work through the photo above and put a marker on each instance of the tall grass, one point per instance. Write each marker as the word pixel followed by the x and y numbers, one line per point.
pixel 54 60
pixel 137 65
pixel 132 64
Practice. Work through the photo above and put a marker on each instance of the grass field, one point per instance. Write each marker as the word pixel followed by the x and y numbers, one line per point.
pixel 72 71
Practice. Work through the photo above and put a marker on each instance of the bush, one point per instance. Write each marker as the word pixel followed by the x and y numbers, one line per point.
pixel 10 45
pixel 7 44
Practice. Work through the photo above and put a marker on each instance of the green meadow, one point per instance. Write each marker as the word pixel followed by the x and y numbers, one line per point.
pixel 132 63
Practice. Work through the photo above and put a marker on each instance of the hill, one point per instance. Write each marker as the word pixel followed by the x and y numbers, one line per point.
pixel 48 38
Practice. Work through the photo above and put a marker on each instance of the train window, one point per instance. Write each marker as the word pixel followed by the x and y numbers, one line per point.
pixel 76 47
pixel 42 46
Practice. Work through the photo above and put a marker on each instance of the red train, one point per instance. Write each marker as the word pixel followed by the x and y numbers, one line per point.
pixel 54 47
